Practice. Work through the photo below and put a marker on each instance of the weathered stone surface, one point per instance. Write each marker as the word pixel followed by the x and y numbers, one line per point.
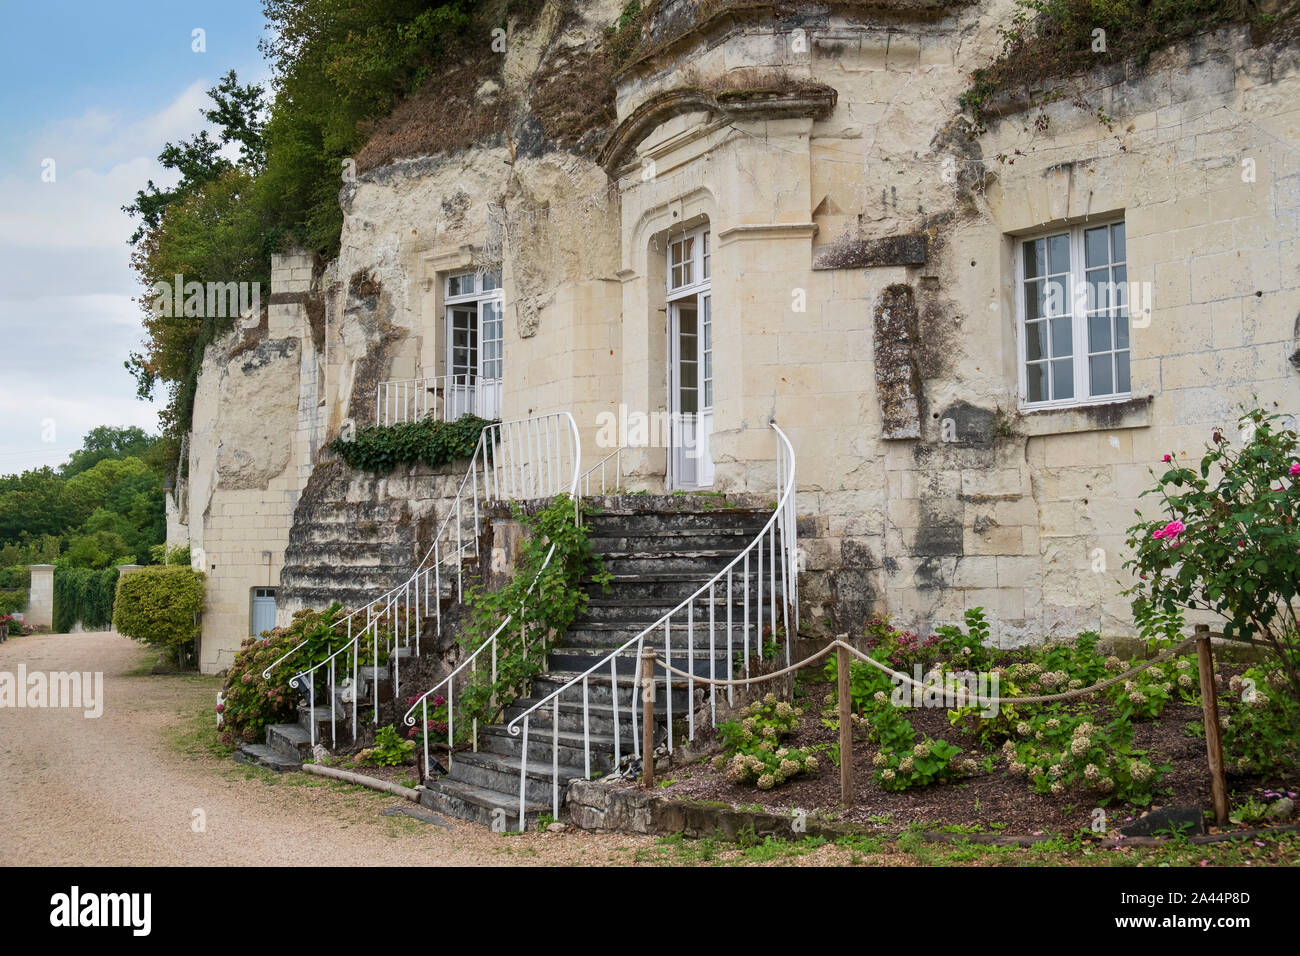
pixel 898 384
pixel 849 253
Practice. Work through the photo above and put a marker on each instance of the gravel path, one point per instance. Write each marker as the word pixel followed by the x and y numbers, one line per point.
pixel 119 790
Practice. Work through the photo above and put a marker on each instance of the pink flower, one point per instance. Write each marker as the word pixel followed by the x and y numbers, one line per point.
pixel 1294 469
pixel 1170 532
pixel 1167 458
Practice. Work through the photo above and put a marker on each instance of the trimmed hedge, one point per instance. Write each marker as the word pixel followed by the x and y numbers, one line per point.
pixel 85 595
pixel 160 605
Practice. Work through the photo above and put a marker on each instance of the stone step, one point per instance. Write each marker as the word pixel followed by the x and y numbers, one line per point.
pixel 609 610
pixel 291 740
pixel 357 554
pixel 629 520
pixel 599 719
pixel 491 808
pixel 496 739
pixel 676 586
pixel 262 755
pixel 500 772
pixel 706 562
pixel 681 633
pixel 690 539
pixel 601 688
pixel 579 659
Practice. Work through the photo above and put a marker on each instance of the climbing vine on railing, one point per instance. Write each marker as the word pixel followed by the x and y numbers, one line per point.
pixel 542 600
pixel 430 441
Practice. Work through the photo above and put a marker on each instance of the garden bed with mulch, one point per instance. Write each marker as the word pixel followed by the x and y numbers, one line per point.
pixel 989 799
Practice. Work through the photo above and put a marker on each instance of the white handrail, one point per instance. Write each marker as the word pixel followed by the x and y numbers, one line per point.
pixel 444 397
pixel 520 459
pixel 782 524
pixel 585 478
pixel 423 699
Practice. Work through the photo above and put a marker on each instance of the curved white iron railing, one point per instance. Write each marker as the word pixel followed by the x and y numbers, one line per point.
pixel 778 534
pixel 603 467
pixel 529 458
pixel 449 682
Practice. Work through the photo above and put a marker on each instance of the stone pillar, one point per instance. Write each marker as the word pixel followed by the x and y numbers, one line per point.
pixel 40 600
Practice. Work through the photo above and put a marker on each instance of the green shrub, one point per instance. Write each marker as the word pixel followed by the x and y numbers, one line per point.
pixel 1062 752
pixel 432 442
pixel 551 600
pixel 83 595
pixel 13 602
pixel 160 606
pixel 1261 724
pixel 389 750
pixel 753 751
pixel 251 701
pixel 1228 540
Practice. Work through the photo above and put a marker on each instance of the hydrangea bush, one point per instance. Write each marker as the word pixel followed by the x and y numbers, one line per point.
pixel 754 753
pixel 1059 753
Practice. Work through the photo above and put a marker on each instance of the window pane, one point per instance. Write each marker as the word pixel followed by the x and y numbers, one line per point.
pixel 677 276
pixel 1120 274
pixel 708 393
pixel 1063 379
pixel 1062 337
pixel 1099 374
pixel 1099 290
pixel 1122 383
pixel 1096 250
pixel 491 280
pixel 1121 331
pixel 1099 333
pixel 1034 301
pixel 1058 253
pixel 1057 299
pixel 1035 251
pixel 1035 341
pixel 460 285
pixel 1036 382
pixel 1117 243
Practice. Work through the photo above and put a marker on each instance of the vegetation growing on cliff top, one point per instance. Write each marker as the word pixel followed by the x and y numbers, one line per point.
pixel 1050 39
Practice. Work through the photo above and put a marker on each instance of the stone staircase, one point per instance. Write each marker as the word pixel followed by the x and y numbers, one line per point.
pixel 657 558
pixel 355 535
pixel 288 745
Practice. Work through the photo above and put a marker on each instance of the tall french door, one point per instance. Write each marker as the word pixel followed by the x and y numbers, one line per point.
pixel 690 362
pixel 474 345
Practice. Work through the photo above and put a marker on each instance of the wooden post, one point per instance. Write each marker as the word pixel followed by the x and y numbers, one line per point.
pixel 1210 713
pixel 846 727
pixel 648 717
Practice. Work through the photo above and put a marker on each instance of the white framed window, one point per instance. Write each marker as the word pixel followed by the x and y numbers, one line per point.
pixel 688 263
pixel 474 326
pixel 1072 316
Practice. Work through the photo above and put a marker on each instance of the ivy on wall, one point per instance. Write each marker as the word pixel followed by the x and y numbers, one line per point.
pixel 381 448
pixel 85 595
pixel 542 601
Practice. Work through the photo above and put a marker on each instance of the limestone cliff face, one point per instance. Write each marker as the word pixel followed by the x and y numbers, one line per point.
pixel 864 290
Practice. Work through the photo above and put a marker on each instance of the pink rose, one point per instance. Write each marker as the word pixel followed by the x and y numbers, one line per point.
pixel 1167 458
pixel 1170 531
pixel 1295 468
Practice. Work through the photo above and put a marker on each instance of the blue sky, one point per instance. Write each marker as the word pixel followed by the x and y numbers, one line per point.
pixel 97 86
